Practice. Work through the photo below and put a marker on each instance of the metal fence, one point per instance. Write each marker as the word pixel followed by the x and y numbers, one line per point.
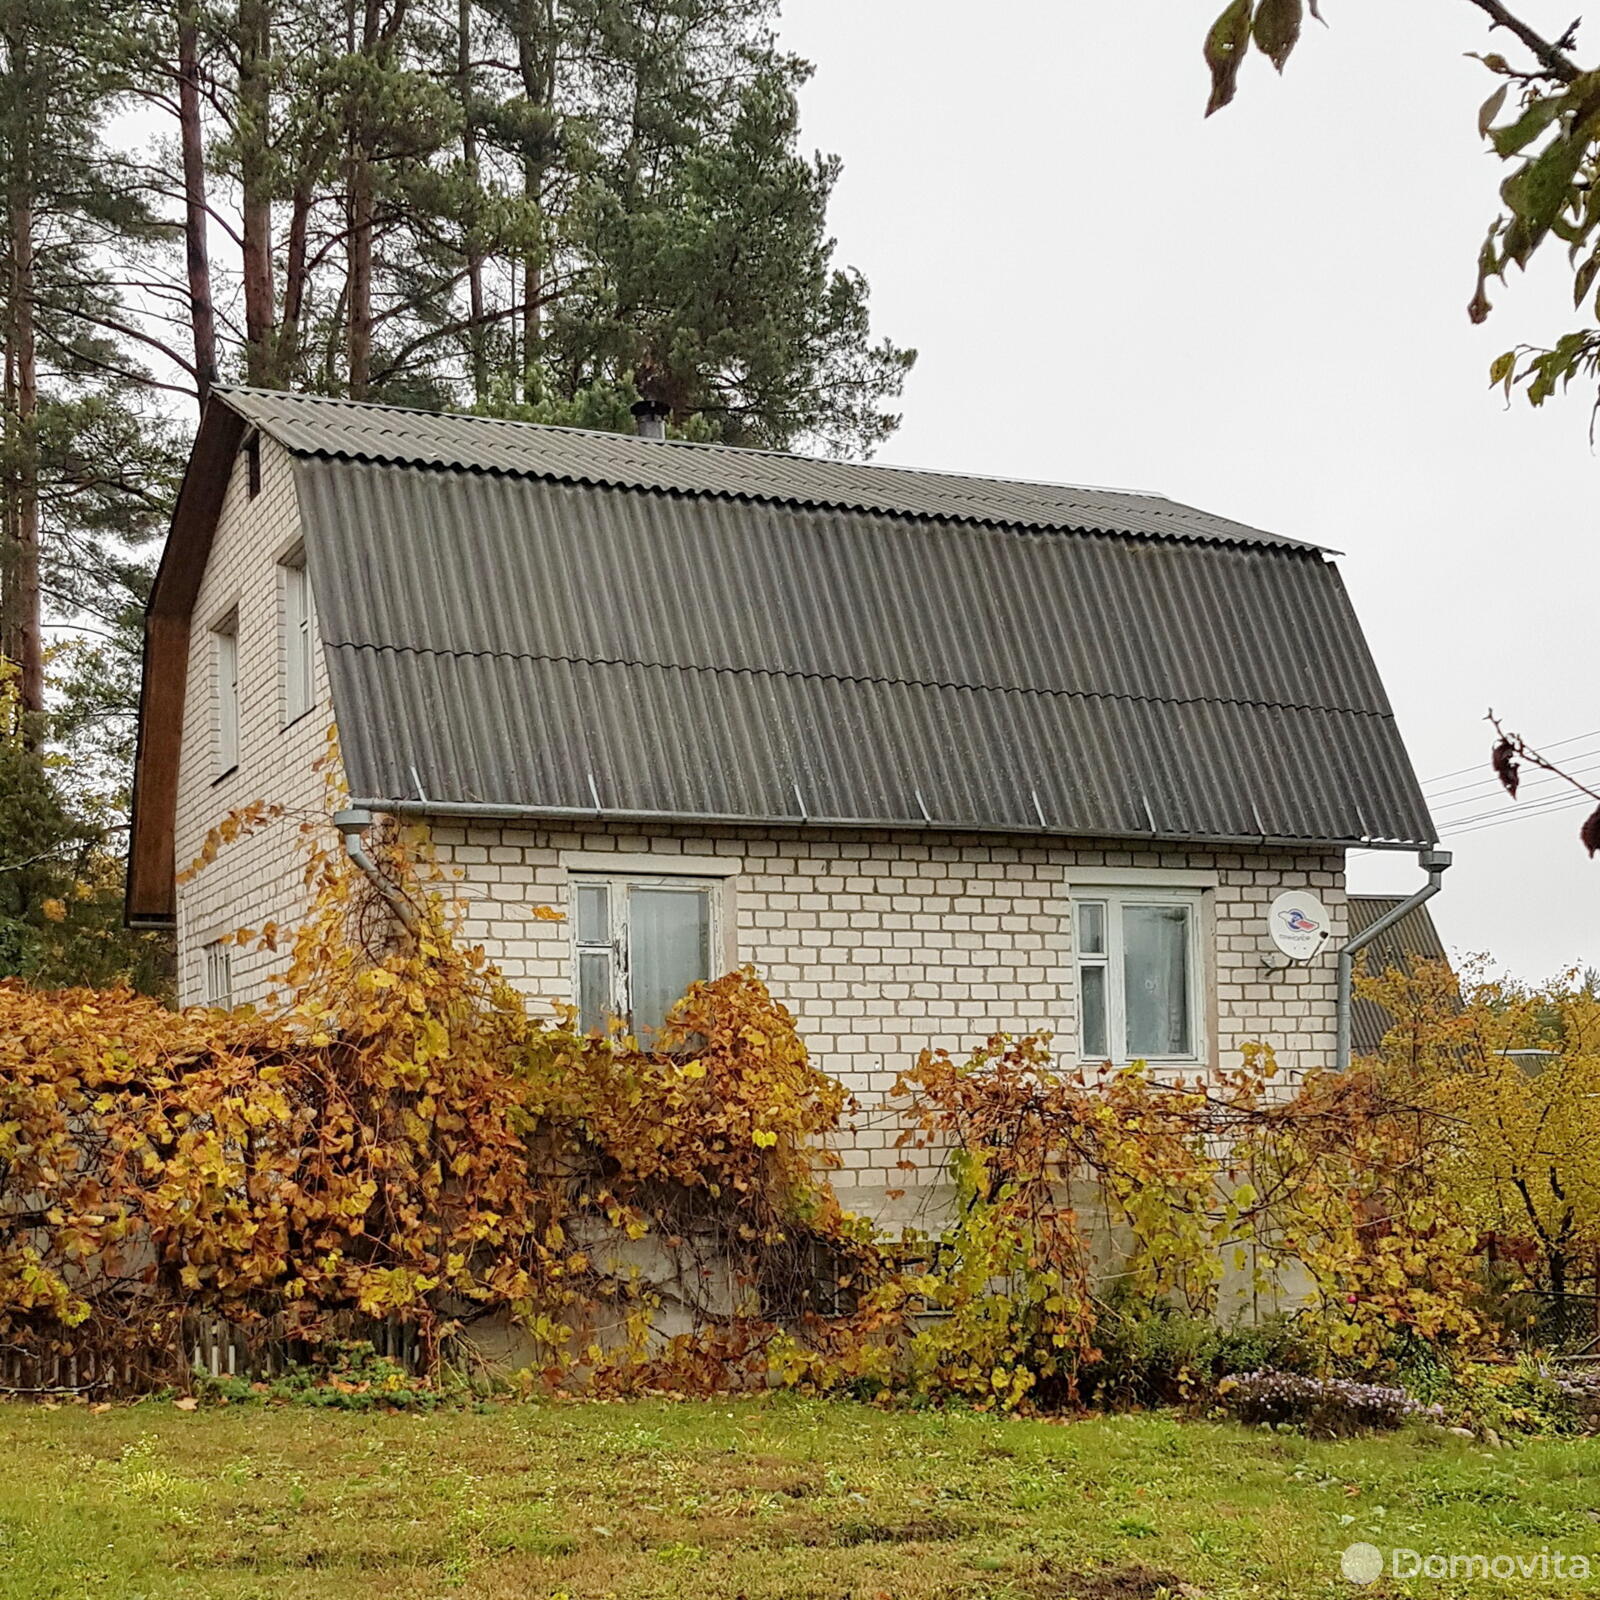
pixel 1568 1325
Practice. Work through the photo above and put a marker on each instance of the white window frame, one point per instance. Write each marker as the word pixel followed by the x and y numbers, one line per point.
pixel 299 634
pixel 1116 898
pixel 617 944
pixel 216 974
pixel 225 691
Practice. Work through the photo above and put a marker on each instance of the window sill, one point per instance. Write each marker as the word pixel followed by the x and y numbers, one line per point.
pixel 223 776
pixel 296 719
pixel 1161 1063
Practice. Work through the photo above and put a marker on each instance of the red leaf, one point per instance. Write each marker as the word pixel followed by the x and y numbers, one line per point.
pixel 1505 765
pixel 1589 833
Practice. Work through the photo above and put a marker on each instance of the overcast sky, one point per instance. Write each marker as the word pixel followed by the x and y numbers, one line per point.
pixel 1263 315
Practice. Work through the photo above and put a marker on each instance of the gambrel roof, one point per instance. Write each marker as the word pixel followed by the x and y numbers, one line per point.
pixel 552 622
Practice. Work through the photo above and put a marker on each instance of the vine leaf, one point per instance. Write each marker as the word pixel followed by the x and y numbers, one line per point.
pixel 1506 768
pixel 1491 109
pixel 1277 29
pixel 1225 50
pixel 1589 833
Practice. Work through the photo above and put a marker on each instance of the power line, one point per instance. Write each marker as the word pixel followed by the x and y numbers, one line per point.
pixel 1532 809
pixel 1550 808
pixel 1490 781
pixel 1594 733
pixel 1537 786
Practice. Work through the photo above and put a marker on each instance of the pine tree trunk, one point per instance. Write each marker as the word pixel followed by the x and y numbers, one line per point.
pixel 535 59
pixel 296 277
pixel 359 347
pixel 30 632
pixel 477 338
pixel 202 314
pixel 531 287
pixel 362 209
pixel 24 642
pixel 254 136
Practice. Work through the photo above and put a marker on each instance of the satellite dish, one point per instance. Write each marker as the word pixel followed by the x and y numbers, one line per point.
pixel 1299 924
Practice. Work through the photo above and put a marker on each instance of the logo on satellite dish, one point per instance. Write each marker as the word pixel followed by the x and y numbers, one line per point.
pixel 1298 924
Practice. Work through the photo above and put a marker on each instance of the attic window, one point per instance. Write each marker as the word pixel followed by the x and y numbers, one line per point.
pixel 225 692
pixel 299 658
pixel 252 464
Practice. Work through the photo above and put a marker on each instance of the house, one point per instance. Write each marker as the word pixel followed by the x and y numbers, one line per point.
pixel 1398 947
pixel 940 755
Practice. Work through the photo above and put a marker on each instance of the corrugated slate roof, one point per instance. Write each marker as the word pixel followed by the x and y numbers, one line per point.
pixel 309 425
pixel 1413 938
pixel 522 642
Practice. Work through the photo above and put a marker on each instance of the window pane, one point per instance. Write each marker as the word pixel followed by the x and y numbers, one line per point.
pixel 594 914
pixel 297 639
pixel 1092 1014
pixel 1091 927
pixel 219 975
pixel 669 947
pixel 227 669
pixel 1155 974
pixel 595 1006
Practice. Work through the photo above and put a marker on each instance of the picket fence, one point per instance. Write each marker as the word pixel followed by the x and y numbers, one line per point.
pixel 214 1346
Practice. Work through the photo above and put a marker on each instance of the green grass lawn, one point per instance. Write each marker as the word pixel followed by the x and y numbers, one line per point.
pixel 758 1498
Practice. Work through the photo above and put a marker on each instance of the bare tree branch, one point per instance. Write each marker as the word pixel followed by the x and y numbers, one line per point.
pixel 1551 56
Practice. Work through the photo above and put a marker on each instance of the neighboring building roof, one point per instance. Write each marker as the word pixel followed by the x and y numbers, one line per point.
pixel 553 622
pixel 1413 938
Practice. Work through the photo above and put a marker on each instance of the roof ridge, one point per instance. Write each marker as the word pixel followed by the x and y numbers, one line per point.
pixel 880 681
pixel 1157 501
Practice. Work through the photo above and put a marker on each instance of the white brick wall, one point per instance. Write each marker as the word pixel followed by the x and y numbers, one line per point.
pixel 257 878
pixel 885 943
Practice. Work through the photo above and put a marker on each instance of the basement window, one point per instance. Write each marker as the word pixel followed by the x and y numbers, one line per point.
pixel 1139 976
pixel 225 692
pixel 219 975
pixel 638 943
pixel 299 658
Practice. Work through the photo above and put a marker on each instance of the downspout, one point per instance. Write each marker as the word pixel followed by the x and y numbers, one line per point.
pixel 352 826
pixel 1433 862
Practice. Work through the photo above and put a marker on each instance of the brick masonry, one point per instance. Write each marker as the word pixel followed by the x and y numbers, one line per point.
pixel 885 943
pixel 257 878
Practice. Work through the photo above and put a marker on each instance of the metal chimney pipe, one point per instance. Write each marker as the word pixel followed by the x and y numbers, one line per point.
pixel 650 417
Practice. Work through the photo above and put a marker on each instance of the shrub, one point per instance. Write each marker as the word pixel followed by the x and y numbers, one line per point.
pixel 402 1141
pixel 1155 1353
pixel 1325 1408
pixel 1514 1397
pixel 1149 1355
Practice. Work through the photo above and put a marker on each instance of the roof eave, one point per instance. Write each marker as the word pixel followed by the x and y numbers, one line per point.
pixel 490 811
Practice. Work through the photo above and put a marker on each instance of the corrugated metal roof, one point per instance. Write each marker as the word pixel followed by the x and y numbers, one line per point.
pixel 1413 938
pixel 522 643
pixel 309 425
